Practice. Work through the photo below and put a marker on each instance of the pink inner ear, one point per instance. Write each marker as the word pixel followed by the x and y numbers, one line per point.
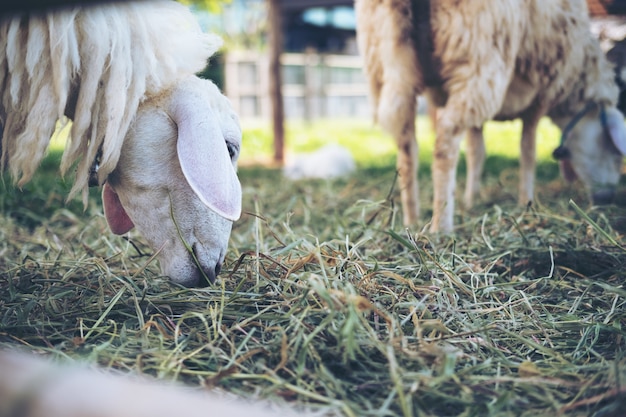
pixel 116 216
pixel 202 150
pixel 567 170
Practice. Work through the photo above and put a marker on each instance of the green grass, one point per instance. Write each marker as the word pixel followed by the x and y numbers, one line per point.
pixel 372 148
pixel 368 142
pixel 327 302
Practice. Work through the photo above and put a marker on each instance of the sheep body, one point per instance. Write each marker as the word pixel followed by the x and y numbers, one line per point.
pixel 496 59
pixel 165 142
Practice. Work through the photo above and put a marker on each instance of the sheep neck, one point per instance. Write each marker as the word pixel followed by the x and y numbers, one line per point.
pixel 577 117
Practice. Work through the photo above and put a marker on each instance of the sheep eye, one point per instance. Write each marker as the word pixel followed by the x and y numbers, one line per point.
pixel 233 150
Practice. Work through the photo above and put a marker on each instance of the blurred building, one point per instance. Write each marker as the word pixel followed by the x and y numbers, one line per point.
pixel 322 73
pixel 327 26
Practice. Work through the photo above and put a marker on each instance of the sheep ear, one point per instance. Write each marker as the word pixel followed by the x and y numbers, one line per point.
pixel 116 216
pixel 616 128
pixel 203 154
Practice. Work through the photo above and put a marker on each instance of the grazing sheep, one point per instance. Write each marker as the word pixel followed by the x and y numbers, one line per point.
pixel 492 59
pixel 33 387
pixel 162 142
pixel 329 161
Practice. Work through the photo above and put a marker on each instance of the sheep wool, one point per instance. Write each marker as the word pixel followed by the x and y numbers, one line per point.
pixel 95 65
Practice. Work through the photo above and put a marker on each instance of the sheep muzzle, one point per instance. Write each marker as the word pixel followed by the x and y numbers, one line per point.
pixel 207 274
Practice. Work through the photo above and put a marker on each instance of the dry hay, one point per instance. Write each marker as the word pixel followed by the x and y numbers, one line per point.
pixel 327 301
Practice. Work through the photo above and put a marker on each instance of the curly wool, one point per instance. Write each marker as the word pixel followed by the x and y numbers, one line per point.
pixel 95 65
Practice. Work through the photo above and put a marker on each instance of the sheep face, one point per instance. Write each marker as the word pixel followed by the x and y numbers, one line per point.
pixel 176 180
pixel 594 154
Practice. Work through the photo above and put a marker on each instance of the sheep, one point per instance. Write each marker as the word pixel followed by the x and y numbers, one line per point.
pixel 484 60
pixel 328 162
pixel 31 386
pixel 162 143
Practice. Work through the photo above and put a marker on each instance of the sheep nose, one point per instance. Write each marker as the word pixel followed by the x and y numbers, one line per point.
pixel 603 197
pixel 207 269
pixel 208 275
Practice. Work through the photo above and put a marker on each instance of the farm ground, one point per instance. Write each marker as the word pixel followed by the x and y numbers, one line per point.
pixel 328 303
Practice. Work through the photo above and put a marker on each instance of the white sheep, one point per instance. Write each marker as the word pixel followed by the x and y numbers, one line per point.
pixel 162 142
pixel 34 387
pixel 491 59
pixel 328 162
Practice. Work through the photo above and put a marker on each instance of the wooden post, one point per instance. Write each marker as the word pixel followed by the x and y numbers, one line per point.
pixel 275 38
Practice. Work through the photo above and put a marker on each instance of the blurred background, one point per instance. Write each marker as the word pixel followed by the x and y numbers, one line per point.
pixel 287 63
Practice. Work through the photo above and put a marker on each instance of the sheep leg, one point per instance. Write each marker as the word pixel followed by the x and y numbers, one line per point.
pixel 469 105
pixel 407 164
pixel 475 161
pixel 444 165
pixel 397 116
pixel 527 162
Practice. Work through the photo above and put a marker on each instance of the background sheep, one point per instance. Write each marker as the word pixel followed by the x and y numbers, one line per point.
pixel 329 161
pixel 489 60
pixel 163 142
pixel 33 387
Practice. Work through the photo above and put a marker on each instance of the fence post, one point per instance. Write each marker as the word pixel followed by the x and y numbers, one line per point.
pixel 275 90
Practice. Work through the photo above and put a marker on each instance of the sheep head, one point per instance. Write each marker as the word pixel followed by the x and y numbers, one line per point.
pixel 176 179
pixel 593 151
